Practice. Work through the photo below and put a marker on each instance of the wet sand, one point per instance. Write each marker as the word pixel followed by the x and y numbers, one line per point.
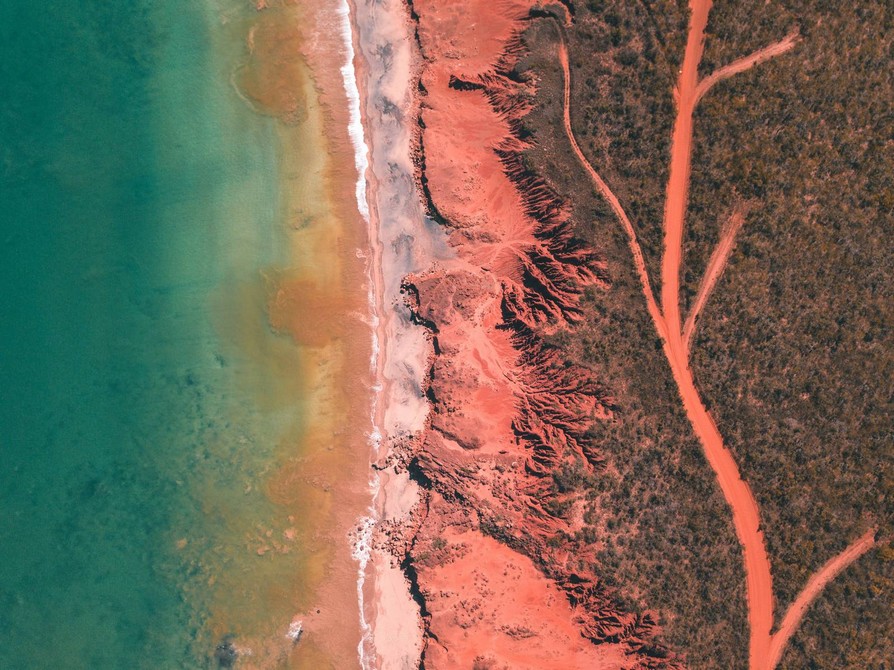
pixel 402 242
pixel 320 302
pixel 201 338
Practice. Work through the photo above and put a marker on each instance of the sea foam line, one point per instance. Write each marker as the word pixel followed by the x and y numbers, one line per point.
pixel 355 123
pixel 361 542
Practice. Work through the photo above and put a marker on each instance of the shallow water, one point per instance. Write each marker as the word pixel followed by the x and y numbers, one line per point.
pixel 154 426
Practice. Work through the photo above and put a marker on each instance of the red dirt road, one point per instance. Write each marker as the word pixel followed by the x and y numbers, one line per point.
pixel 715 268
pixel 746 63
pixel 638 261
pixel 812 590
pixel 765 650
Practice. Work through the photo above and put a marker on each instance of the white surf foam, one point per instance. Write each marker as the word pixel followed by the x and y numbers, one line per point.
pixel 361 540
pixel 355 124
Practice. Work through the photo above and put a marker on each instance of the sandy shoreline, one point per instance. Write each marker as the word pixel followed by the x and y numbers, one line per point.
pixel 328 309
pixel 500 268
pixel 409 247
pixel 400 243
pixel 471 545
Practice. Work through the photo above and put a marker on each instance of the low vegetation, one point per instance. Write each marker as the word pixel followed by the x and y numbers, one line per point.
pixel 793 351
pixel 655 511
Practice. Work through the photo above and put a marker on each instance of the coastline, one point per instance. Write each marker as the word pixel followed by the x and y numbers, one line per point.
pixel 202 403
pixel 326 343
pixel 430 275
pixel 324 307
pixel 401 243
pixel 361 537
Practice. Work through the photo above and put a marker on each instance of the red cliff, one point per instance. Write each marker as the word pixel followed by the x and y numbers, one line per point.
pixel 499 577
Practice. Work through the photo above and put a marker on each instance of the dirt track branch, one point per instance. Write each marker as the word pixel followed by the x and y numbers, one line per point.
pixel 714 270
pixel 811 591
pixel 746 63
pixel 639 260
pixel 765 647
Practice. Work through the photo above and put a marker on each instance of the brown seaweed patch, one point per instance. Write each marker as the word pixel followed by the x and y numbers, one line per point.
pixel 299 306
pixel 275 75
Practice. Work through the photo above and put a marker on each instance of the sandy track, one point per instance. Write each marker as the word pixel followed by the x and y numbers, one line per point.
pixel 715 268
pixel 812 590
pixel 765 650
pixel 745 63
pixel 638 260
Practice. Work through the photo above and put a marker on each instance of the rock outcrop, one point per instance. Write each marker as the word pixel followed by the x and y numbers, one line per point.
pixel 501 580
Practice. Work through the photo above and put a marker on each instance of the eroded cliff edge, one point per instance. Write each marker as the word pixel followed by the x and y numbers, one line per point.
pixel 494 567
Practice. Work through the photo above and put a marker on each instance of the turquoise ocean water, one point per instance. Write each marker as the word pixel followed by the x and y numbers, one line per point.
pixel 141 391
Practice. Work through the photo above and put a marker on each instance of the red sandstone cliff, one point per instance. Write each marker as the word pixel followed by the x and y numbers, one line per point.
pixel 499 583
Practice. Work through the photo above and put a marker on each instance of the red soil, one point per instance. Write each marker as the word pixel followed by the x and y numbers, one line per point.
pixel 500 584
pixel 811 592
pixel 493 607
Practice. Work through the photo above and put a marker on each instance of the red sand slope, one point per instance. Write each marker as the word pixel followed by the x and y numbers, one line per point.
pixel 500 585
